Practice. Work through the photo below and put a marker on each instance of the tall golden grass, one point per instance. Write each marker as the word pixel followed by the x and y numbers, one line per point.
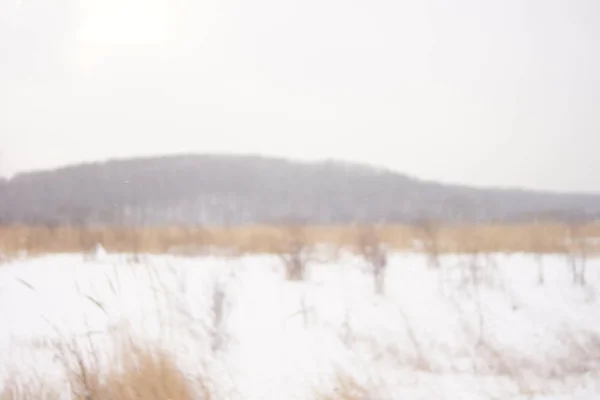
pixel 538 238
pixel 139 373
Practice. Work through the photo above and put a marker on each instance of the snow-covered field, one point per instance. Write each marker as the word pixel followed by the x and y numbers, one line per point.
pixel 483 328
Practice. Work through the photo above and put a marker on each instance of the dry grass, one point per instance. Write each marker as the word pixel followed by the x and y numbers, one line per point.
pixel 538 238
pixel 138 373
pixel 149 375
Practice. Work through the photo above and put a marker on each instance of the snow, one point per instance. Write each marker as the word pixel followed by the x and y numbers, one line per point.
pixel 483 328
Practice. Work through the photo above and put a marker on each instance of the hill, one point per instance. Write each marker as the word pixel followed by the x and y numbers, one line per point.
pixel 238 190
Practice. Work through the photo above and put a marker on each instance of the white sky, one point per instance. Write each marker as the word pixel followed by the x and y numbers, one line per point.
pixel 502 93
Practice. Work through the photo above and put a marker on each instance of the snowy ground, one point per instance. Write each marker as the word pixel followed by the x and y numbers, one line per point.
pixel 482 329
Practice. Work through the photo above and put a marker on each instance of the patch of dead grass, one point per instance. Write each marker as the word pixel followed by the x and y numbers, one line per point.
pixel 510 238
pixel 136 373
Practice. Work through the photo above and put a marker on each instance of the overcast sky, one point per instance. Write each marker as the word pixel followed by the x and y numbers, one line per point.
pixel 494 93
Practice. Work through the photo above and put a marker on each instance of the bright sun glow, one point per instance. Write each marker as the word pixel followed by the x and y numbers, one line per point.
pixel 122 22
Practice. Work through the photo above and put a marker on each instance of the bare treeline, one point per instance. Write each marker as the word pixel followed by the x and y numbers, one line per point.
pixel 243 190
